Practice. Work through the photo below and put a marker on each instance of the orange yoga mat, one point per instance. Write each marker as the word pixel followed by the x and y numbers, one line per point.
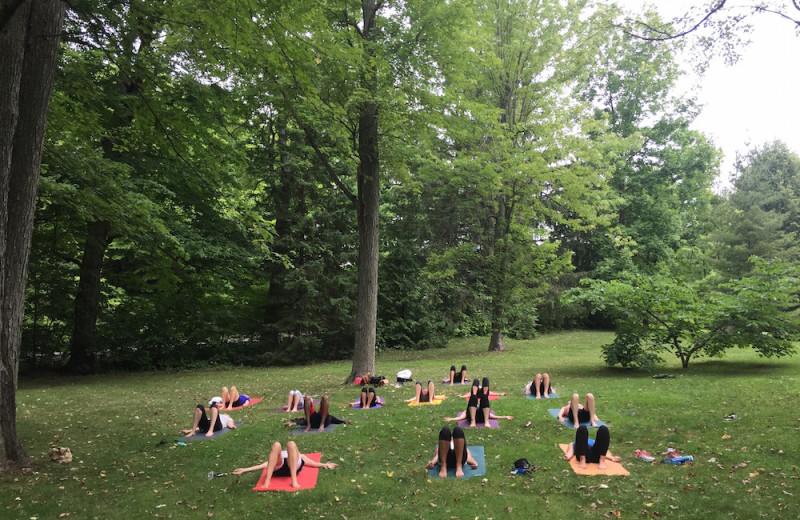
pixel 612 468
pixel 307 478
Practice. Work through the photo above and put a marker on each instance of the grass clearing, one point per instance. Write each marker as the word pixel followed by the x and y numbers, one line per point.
pixel 745 468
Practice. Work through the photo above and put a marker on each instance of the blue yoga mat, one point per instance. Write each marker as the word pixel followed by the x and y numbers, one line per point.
pixel 568 422
pixel 551 395
pixel 477 454
pixel 202 436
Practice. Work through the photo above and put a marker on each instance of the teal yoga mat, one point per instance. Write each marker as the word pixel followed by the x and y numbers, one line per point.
pixel 299 430
pixel 477 454
pixel 568 422
pixel 533 396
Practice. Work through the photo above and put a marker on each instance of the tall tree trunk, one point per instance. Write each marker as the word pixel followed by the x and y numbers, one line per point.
pixel 369 188
pixel 499 278
pixel 87 299
pixel 28 51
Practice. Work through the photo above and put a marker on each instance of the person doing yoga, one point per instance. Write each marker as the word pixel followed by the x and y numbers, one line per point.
pixel 452 452
pixel 478 407
pixel 368 398
pixel 423 396
pixel 579 412
pixel 285 463
pixel 202 423
pixel 315 419
pixel 540 386
pixel 482 388
pixel 587 452
pixel 457 376
pixel 232 399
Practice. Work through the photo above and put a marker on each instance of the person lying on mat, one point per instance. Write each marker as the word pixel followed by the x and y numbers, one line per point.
pixel 369 379
pixel 585 451
pixel 295 402
pixel 368 398
pixel 579 412
pixel 457 377
pixel 478 408
pixel 482 388
pixel 315 419
pixel 232 399
pixel 285 463
pixel 540 386
pixel 423 396
pixel 452 452
pixel 202 423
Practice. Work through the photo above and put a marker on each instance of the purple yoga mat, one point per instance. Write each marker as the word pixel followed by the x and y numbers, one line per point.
pixel 464 423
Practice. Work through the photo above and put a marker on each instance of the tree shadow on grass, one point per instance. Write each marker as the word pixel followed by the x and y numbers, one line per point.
pixel 729 368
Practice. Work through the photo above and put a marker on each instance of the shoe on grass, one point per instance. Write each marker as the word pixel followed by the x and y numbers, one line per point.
pixel 641 454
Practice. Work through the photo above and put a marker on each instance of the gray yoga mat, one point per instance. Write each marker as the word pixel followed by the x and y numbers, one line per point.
pixel 299 429
pixel 202 436
pixel 568 422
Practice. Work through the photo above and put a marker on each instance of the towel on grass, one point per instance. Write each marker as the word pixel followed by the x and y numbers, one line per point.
pixel 569 423
pixel 477 454
pixel 307 478
pixel 612 468
pixel 202 436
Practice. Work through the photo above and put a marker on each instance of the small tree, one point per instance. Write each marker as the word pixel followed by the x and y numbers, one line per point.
pixel 656 314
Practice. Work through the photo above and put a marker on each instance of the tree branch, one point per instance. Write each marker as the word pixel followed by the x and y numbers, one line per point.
pixel 671 36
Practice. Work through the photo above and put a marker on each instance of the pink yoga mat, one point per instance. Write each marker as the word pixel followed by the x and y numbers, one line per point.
pixel 307 478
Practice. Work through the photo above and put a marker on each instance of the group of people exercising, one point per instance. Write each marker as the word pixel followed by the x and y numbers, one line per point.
pixel 451 450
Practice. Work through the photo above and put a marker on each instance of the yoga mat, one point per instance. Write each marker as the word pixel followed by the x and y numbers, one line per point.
pixel 307 478
pixel 464 423
pixel 444 382
pixel 283 409
pixel 480 471
pixel 251 402
pixel 202 436
pixel 357 405
pixel 299 429
pixel 569 423
pixel 612 468
pixel 491 397
pixel 533 396
pixel 435 402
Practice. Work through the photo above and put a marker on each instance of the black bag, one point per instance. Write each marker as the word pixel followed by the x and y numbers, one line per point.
pixel 522 464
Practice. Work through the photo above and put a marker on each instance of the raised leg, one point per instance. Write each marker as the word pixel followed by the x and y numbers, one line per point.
pixel 485 416
pixel 213 417
pixel 601 444
pixel 546 381
pixel 590 408
pixel 452 374
pixel 233 397
pixel 581 445
pixel 292 457
pixel 272 461
pixel 199 412
pixel 573 409
pixel 430 390
pixel 418 392
pixel 226 396
pixel 324 408
pixel 444 448
pixel 472 413
pixel 364 398
pixel 371 397
pixel 307 412
pixel 537 384
pixel 460 447
pixel 464 373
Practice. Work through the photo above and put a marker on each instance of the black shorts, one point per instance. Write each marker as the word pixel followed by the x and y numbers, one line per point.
pixel 583 415
pixel 283 471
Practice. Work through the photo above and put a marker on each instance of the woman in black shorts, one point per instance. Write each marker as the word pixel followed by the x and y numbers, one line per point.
pixel 452 452
pixel 478 406
pixel 579 413
pixel 285 463
pixel 585 452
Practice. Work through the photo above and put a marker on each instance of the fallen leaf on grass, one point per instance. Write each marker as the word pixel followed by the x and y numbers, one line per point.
pixel 726 436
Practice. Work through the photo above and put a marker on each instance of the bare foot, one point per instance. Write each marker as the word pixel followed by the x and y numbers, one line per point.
pixel 266 483
pixel 295 484
pixel 307 429
pixel 472 425
pixel 601 464
pixel 210 432
pixel 443 472
pixel 187 431
pixel 321 428
pixel 582 463
pixel 459 472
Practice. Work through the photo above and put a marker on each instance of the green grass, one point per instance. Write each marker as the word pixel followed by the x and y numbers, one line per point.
pixel 113 423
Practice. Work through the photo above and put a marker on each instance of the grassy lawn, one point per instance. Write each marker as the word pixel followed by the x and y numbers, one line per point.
pixel 745 468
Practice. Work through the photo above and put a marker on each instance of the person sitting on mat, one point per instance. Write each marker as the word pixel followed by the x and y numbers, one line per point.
pixel 202 423
pixel 579 412
pixel 457 377
pixel 232 399
pixel 315 419
pixel 540 386
pixel 585 451
pixel 285 463
pixel 423 396
pixel 452 452
pixel 295 403
pixel 478 407
pixel 482 388
pixel 368 398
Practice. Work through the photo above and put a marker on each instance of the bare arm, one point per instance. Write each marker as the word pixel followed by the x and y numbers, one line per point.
pixel 314 464
pixel 561 413
pixel 239 471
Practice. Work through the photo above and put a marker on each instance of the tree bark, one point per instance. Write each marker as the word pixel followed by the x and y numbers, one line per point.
pixel 87 299
pixel 499 277
pixel 369 188
pixel 28 51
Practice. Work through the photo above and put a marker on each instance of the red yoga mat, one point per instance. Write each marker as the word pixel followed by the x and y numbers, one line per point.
pixel 307 478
